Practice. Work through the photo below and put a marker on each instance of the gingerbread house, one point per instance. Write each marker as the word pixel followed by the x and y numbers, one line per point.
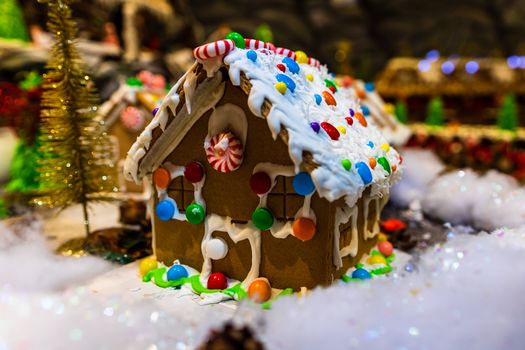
pixel 127 112
pixel 259 167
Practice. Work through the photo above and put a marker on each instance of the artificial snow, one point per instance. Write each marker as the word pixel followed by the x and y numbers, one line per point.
pixel 467 293
pixel 462 196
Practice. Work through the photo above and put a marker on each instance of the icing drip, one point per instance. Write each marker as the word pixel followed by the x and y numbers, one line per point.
pixel 228 117
pixel 237 233
pixel 175 172
pixel 344 214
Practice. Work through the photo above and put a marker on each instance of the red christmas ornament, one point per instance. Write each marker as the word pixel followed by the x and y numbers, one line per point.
pixel 194 172
pixel 392 225
pixel 217 280
pixel 281 67
pixel 349 120
pixel 260 182
pixel 330 130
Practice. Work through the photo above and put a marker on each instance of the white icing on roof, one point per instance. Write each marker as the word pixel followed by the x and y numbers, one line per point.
pixel 295 111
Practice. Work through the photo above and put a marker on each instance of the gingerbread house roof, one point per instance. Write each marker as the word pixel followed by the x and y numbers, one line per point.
pixel 324 129
pixel 374 107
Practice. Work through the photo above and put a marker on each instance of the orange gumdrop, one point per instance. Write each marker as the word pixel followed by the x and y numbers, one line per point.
pixel 372 162
pixel 161 178
pixel 360 93
pixel 260 290
pixel 394 168
pixel 361 119
pixel 329 98
pixel 304 229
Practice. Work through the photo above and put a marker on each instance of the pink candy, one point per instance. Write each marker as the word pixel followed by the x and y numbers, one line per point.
pixel 132 118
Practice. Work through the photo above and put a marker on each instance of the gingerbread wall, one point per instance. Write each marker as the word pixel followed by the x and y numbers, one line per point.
pixel 286 262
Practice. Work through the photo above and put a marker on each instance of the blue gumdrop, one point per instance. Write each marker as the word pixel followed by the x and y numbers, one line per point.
pixel 370 144
pixel 315 127
pixel 318 99
pixel 291 64
pixel 364 171
pixel 252 55
pixel 361 274
pixel 370 86
pixel 302 184
pixel 166 209
pixel 290 84
pixel 351 111
pixel 366 110
pixel 176 272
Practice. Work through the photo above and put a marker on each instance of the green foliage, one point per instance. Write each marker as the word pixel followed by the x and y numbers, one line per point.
pixel 508 113
pixel 401 112
pixel 3 209
pixel 24 169
pixel 435 115
pixel 12 25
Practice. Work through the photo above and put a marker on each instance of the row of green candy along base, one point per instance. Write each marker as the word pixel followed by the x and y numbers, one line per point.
pixel 235 292
pixel 375 272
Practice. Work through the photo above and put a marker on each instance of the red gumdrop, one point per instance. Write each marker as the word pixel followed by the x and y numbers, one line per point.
pixel 281 67
pixel 385 248
pixel 330 130
pixel 349 120
pixel 332 88
pixel 194 172
pixel 260 182
pixel 217 280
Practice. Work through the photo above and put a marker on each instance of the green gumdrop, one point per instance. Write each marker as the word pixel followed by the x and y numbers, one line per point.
pixel 384 163
pixel 262 219
pixel 132 81
pixel 237 39
pixel 330 83
pixel 195 213
pixel 346 164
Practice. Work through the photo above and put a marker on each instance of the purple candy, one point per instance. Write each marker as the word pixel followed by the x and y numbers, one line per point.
pixel 155 110
pixel 351 112
pixel 315 126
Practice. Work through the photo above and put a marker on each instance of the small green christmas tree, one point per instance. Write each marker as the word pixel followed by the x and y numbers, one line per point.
pixel 435 112
pixel 24 169
pixel 508 113
pixel 12 24
pixel 401 112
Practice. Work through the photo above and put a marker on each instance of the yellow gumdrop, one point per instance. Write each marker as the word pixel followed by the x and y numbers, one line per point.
pixel 301 57
pixel 281 87
pixel 376 259
pixel 381 237
pixel 341 129
pixel 385 147
pixel 389 108
pixel 147 264
pixel 310 77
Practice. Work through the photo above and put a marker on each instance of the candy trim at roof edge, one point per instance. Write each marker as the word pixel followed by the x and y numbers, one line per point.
pixel 332 180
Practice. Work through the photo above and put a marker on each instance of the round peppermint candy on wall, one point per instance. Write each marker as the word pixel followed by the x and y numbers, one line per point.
pixel 224 152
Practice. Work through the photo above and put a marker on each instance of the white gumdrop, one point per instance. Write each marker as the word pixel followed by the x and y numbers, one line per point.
pixel 216 248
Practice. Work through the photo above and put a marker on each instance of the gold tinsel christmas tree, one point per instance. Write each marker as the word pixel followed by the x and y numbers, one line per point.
pixel 78 164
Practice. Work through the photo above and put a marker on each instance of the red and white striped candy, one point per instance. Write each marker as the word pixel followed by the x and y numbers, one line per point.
pixel 313 62
pixel 210 50
pixel 255 44
pixel 271 47
pixel 224 152
pixel 286 52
